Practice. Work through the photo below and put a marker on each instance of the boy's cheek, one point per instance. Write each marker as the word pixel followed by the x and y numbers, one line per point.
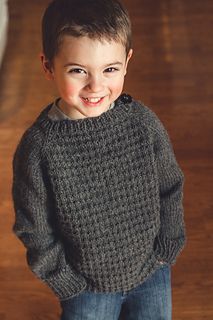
pixel 69 89
pixel 117 88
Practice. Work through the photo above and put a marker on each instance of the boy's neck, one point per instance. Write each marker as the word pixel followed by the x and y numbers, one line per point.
pixel 57 112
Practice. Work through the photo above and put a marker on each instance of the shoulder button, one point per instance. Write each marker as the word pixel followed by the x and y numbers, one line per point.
pixel 126 98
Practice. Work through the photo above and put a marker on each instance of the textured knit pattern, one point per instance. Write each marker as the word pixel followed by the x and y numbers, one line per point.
pixel 98 201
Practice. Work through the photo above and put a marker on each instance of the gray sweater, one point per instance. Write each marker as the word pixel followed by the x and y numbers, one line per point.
pixel 98 201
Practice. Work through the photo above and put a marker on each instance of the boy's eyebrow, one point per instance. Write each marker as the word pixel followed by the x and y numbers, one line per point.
pixel 82 66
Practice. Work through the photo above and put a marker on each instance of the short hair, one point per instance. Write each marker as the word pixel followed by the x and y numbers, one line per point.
pixel 97 19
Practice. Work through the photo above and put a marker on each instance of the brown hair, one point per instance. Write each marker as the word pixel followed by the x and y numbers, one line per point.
pixel 97 19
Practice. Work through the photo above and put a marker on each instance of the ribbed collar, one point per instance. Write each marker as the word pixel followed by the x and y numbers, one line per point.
pixel 123 106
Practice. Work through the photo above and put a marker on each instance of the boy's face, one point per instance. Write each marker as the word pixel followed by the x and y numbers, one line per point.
pixel 88 74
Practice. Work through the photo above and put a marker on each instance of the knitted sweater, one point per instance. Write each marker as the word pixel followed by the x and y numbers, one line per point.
pixel 98 201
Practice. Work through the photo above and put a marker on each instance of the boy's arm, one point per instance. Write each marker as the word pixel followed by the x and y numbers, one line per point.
pixel 34 226
pixel 171 237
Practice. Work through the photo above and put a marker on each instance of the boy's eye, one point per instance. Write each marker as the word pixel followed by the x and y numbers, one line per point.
pixel 111 69
pixel 77 70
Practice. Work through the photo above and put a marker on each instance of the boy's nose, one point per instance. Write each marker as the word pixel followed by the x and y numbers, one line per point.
pixel 95 84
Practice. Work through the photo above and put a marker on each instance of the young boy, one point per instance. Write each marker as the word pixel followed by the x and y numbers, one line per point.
pixel 97 190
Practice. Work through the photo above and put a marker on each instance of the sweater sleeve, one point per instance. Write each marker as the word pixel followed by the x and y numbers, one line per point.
pixel 171 237
pixel 34 222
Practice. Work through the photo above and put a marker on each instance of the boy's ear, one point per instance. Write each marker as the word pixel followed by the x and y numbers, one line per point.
pixel 47 67
pixel 127 59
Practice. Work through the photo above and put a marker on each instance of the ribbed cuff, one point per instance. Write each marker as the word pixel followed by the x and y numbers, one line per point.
pixel 167 250
pixel 66 284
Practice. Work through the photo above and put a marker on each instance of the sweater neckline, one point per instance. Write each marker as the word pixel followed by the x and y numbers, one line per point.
pixel 118 113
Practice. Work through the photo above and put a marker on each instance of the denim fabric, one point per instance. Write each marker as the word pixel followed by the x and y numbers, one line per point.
pixel 149 301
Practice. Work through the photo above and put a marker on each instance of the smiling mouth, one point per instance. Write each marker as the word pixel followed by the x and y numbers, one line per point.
pixel 93 100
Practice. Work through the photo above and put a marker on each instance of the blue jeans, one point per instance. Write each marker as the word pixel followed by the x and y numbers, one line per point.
pixel 149 301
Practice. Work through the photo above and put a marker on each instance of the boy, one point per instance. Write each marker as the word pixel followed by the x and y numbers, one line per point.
pixel 97 190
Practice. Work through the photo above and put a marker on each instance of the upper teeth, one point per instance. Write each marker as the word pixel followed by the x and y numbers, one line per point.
pixel 93 99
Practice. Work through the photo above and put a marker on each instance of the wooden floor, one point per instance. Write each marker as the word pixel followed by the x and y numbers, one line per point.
pixel 171 71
